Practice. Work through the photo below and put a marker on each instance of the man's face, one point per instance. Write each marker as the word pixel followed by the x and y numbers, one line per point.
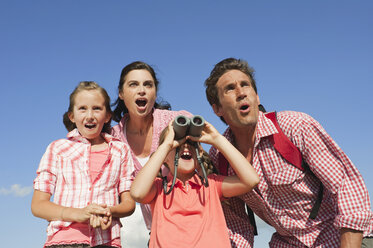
pixel 238 100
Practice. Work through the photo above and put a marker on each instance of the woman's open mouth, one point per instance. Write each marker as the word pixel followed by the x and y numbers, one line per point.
pixel 141 102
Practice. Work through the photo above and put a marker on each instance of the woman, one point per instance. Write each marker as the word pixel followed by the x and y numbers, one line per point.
pixel 141 119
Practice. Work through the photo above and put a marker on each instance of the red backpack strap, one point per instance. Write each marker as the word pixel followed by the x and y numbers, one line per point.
pixel 283 145
pixel 291 153
pixel 223 165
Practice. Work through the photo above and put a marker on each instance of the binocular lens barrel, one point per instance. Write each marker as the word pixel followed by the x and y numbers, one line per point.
pixel 181 125
pixel 188 126
pixel 196 126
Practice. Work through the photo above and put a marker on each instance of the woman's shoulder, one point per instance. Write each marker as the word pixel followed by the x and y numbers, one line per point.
pixel 169 114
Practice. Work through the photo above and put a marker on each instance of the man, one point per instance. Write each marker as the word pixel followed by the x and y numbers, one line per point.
pixel 286 195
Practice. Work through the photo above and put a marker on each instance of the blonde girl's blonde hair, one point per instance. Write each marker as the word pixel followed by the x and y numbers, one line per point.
pixel 205 158
pixel 87 85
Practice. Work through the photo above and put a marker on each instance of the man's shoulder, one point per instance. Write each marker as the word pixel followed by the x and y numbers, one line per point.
pixel 293 119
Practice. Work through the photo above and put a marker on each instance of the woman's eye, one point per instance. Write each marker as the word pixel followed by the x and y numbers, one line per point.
pixel 133 84
pixel 149 84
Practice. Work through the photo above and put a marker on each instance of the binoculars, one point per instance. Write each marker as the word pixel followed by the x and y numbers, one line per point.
pixel 184 126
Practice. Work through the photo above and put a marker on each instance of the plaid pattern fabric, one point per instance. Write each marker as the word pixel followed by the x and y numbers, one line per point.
pixel 64 172
pixel 285 195
pixel 161 119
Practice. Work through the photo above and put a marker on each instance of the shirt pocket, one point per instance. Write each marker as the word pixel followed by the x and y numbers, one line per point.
pixel 287 188
pixel 74 174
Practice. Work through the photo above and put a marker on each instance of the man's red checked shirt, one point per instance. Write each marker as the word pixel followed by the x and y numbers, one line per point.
pixel 285 195
pixel 64 172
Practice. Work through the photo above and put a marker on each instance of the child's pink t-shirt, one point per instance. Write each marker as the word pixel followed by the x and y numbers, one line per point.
pixel 190 216
pixel 78 233
pixel 96 160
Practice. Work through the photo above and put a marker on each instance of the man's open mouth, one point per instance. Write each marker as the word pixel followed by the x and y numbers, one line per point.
pixel 244 107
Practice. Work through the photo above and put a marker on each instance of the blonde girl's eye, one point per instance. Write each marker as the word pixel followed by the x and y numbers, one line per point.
pixel 97 108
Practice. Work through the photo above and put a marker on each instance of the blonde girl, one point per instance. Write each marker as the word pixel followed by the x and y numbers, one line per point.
pixel 89 175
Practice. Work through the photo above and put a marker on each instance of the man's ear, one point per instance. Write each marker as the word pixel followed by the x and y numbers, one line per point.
pixel 257 98
pixel 71 117
pixel 217 109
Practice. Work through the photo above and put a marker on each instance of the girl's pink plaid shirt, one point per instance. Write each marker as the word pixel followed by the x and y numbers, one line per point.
pixel 64 172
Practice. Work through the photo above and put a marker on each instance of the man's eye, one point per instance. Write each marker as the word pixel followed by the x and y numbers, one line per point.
pixel 229 88
pixel 245 84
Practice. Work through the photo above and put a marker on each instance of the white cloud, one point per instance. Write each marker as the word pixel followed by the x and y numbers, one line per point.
pixel 134 233
pixel 17 190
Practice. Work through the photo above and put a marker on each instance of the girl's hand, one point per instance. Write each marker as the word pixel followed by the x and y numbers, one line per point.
pixel 84 214
pixel 106 222
pixel 95 221
pixel 169 139
pixel 209 135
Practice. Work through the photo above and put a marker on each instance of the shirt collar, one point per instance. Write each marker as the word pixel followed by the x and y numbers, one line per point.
pixel 264 128
pixel 74 135
pixel 194 182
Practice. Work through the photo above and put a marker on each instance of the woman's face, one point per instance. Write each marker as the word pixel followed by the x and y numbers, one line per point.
pixel 138 93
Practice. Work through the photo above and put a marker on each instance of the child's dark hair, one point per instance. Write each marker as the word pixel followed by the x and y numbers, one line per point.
pixel 86 85
pixel 205 158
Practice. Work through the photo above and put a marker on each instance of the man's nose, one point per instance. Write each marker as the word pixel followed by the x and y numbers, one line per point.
pixel 240 92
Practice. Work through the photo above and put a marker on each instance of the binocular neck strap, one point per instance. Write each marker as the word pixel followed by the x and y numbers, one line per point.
pixel 204 179
pixel 176 163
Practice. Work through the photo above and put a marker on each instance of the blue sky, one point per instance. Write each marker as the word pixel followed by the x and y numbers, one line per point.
pixel 309 56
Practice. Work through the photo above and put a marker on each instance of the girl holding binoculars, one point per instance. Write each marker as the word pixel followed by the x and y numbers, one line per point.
pixel 191 215
pixel 140 117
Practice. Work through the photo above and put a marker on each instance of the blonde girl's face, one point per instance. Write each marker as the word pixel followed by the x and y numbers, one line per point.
pixel 187 162
pixel 89 114
pixel 139 92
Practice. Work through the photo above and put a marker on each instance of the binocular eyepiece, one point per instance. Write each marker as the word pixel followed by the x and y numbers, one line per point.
pixel 184 126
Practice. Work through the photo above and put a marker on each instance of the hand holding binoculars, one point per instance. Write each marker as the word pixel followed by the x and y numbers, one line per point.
pixel 184 126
